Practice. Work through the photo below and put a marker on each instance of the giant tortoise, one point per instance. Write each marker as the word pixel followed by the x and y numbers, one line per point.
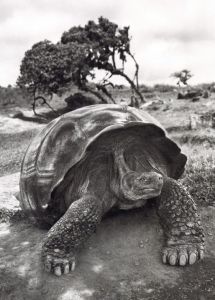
pixel 100 157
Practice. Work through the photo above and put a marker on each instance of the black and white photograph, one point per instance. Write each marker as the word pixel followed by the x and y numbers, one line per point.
pixel 107 150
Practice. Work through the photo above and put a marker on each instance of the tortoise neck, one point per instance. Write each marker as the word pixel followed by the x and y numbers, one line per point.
pixel 124 182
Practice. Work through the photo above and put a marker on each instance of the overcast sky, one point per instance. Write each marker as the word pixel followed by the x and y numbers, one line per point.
pixel 167 35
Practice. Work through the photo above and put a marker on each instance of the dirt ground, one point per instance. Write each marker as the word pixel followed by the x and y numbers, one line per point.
pixel 121 261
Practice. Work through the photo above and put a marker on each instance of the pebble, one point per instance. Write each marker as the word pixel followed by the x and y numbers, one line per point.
pixel 187 233
pixel 122 283
pixel 2 267
pixel 149 291
pixel 141 244
pixel 33 283
pixel 136 263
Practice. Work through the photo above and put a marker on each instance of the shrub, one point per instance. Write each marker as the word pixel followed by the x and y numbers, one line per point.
pixel 146 89
pixel 164 88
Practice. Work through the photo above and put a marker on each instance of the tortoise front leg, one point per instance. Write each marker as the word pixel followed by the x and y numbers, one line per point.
pixel 181 224
pixel 74 227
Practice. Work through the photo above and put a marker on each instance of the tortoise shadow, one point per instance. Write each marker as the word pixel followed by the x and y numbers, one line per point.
pixel 43 117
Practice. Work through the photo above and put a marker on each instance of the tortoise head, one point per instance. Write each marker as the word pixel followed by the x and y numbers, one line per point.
pixel 136 185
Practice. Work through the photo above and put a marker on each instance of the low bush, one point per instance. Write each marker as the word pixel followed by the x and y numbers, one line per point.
pixel 12 96
pixel 164 88
pixel 200 175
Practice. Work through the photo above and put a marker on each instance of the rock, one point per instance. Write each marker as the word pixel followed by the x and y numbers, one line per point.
pixel 180 96
pixel 153 104
pixel 190 94
pixel 195 99
pixel 136 263
pixel 149 291
pixel 212 88
pixel 206 94
pixel 141 244
pixel 166 107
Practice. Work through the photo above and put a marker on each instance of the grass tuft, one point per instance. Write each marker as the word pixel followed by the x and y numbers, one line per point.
pixel 199 177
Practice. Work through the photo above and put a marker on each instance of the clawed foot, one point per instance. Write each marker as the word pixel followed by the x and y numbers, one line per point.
pixel 59 266
pixel 181 255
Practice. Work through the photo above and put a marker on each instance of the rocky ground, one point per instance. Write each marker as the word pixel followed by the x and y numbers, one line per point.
pixel 122 259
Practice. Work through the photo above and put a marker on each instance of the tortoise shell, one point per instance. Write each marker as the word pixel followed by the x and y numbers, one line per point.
pixel 64 141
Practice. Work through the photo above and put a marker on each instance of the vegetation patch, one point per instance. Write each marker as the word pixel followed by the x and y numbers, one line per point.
pixel 12 149
pixel 199 177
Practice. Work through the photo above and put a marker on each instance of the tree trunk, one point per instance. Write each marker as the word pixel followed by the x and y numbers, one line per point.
pixel 133 86
pixel 36 98
pixel 95 93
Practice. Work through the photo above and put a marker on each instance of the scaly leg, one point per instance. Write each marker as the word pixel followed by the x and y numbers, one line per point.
pixel 181 224
pixel 74 227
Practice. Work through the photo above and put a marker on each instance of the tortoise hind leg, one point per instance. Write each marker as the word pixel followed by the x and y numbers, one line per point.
pixel 181 224
pixel 74 227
